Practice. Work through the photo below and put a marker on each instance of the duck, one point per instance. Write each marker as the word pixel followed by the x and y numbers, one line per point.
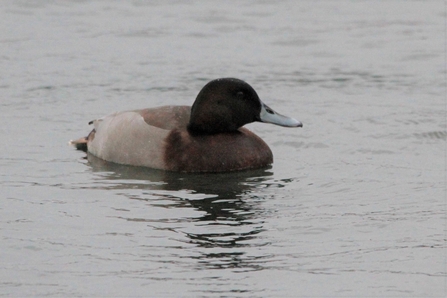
pixel 206 137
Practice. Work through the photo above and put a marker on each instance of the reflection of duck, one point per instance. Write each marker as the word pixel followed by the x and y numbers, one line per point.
pixel 226 186
pixel 220 196
pixel 207 137
pixel 228 214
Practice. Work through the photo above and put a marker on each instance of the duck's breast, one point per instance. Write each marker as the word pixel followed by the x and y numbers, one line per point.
pixel 221 152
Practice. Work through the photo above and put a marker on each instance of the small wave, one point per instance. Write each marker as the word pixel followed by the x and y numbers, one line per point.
pixel 432 135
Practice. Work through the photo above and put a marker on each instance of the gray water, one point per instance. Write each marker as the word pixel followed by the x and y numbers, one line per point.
pixel 354 204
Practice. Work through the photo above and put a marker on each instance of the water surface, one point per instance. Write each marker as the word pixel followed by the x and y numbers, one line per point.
pixel 354 204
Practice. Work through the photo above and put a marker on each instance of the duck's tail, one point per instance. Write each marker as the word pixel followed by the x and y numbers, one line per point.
pixel 80 144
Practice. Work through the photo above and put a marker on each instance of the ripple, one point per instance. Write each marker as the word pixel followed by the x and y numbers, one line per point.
pixel 433 135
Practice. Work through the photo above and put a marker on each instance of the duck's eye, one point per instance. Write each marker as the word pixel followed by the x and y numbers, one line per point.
pixel 268 110
pixel 240 94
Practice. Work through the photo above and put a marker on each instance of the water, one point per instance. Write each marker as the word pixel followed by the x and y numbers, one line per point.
pixel 354 204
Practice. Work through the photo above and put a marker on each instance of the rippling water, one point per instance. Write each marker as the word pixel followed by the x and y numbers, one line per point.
pixel 354 204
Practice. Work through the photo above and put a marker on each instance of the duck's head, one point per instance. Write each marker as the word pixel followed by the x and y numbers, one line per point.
pixel 224 105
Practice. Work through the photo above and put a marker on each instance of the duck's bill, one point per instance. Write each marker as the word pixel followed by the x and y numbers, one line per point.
pixel 270 116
